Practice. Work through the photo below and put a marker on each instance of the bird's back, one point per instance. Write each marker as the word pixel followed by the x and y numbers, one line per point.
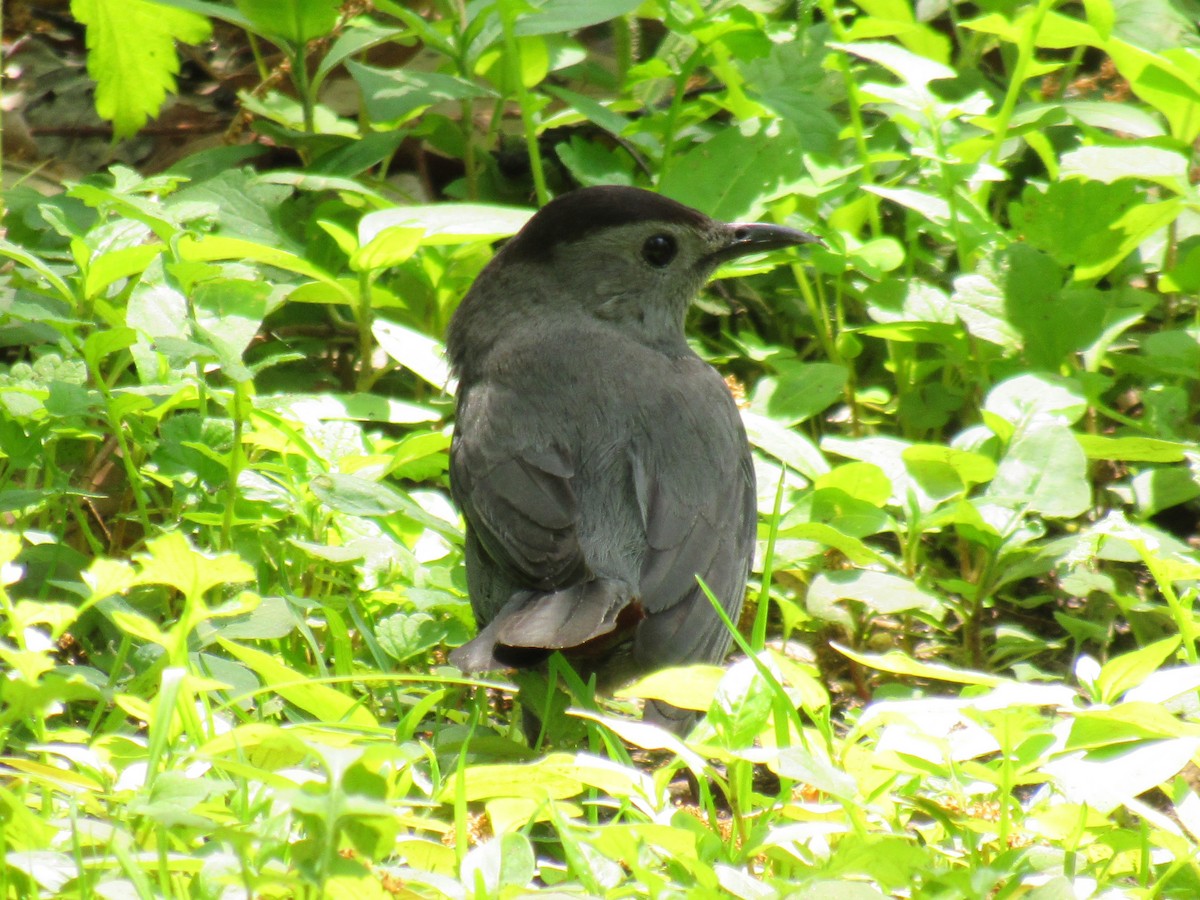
pixel 632 479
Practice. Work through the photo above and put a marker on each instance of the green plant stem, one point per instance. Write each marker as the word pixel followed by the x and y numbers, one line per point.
pixel 672 121
pixel 1016 83
pixel 132 473
pixel 758 637
pixel 363 319
pixel 512 55
pixel 237 459
pixel 304 89
pixel 854 106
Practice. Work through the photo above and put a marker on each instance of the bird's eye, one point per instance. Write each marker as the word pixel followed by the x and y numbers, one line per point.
pixel 659 250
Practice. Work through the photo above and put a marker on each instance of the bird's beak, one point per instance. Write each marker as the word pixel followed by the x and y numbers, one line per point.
pixel 744 238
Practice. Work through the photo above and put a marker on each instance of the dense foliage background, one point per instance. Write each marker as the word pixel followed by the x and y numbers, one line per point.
pixel 231 572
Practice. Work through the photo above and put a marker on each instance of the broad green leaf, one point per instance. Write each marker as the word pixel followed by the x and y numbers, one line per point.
pixel 1131 449
pixel 879 592
pixel 1127 671
pixel 318 700
pixel 25 258
pixel 788 446
pixel 861 480
pixel 1157 489
pixel 1132 228
pixel 852 548
pixel 228 315
pixel 100 345
pixel 392 97
pixel 1044 471
pixel 215 247
pixel 944 472
pixel 1167 81
pixel 1026 399
pixel 687 687
pixel 556 16
pixel 1123 723
pixel 405 635
pixel 418 352
pixel 933 207
pixel 448 223
pixel 815 771
pixel 734 174
pixel 131 55
pixel 798 391
pixel 553 777
pixel 388 248
pixel 741 707
pixel 910 68
pixel 294 21
pixel 505 861
pixel 1105 779
pixel 352 408
pixel 899 663
pixel 170 560
pixel 1109 164
pixel 113 265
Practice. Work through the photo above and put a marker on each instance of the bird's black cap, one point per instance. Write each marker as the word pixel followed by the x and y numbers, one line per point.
pixel 572 216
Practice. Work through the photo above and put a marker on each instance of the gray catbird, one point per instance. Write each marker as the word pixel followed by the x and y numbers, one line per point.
pixel 600 464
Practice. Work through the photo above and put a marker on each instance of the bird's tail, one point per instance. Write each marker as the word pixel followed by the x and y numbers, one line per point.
pixel 580 619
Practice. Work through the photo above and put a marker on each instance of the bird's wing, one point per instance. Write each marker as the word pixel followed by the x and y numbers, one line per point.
pixel 516 496
pixel 695 486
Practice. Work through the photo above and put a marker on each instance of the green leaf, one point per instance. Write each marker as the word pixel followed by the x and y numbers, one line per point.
pixel 805 766
pixel 1108 778
pixel 114 265
pixel 506 861
pixel 899 663
pixel 1109 164
pixel 944 472
pixel 911 68
pixel 229 313
pixel 1157 489
pixel 318 700
pixel 1025 399
pixel 406 635
pixel 734 174
pixel 131 56
pixel 100 345
pixel 295 22
pixel 556 16
pixel 687 687
pixel 852 548
pixel 448 223
pixel 1127 671
pixel 418 352
pixel 215 247
pixel 1167 81
pixel 393 96
pixel 388 248
pixel 788 446
pixel 798 391
pixel 1131 449
pixel 1044 471
pixel 879 592
pixel 170 560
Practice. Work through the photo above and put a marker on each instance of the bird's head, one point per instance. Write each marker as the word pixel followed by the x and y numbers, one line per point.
pixel 623 255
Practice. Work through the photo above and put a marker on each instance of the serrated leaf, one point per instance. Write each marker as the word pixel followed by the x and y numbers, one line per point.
pixel 131 56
